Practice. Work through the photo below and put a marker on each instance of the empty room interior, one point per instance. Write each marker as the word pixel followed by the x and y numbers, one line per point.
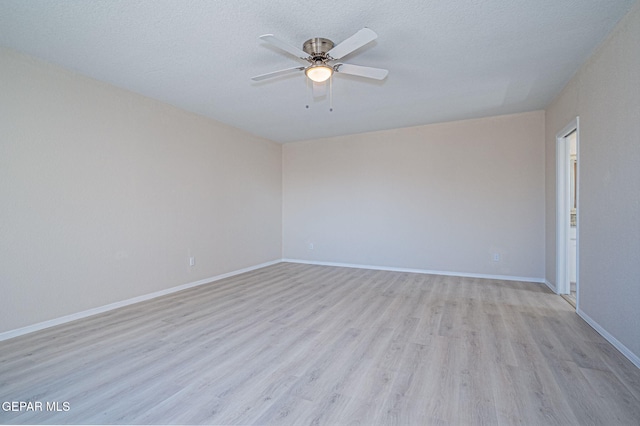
pixel 320 213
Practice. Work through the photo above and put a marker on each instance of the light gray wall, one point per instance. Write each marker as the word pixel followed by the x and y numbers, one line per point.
pixel 605 94
pixel 441 197
pixel 105 194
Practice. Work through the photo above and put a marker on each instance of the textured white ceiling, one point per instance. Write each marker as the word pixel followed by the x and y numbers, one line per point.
pixel 447 60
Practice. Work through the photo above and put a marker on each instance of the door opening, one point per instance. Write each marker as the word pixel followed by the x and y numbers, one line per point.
pixel 567 184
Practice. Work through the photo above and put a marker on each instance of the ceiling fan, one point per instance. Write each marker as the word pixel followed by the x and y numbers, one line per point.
pixel 321 54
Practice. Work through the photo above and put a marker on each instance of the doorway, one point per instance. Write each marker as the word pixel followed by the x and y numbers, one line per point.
pixel 567 181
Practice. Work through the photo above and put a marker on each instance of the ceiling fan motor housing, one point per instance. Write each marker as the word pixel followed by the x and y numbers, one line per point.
pixel 317 47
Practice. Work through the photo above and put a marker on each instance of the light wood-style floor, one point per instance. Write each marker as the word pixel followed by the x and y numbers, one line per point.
pixel 302 344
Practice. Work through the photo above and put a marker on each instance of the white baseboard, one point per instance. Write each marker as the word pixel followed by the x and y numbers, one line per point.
pixel 94 311
pixel 419 271
pixel 635 359
pixel 552 287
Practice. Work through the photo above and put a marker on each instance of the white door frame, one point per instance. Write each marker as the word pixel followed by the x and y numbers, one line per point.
pixel 563 208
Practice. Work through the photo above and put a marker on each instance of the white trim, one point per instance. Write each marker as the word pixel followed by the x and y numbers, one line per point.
pixel 551 286
pixel 418 271
pixel 615 342
pixel 577 177
pixel 94 311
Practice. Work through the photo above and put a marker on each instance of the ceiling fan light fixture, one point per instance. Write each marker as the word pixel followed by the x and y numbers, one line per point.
pixel 319 73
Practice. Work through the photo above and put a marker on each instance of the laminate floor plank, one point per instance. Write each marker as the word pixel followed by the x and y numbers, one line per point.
pixel 623 409
pixel 402 338
pixel 442 400
pixel 401 406
pixel 308 344
pixel 368 354
pixel 587 409
pixel 624 370
pixel 365 406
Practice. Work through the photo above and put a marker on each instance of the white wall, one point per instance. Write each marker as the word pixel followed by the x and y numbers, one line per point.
pixel 605 94
pixel 441 197
pixel 105 194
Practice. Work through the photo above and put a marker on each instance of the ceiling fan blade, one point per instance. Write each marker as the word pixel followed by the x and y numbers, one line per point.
pixel 284 46
pixel 354 42
pixel 276 73
pixel 376 73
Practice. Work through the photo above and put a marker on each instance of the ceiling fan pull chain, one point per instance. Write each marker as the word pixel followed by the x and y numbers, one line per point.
pixel 331 94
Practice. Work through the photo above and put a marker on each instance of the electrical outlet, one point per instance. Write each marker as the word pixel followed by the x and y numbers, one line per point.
pixel 310 246
pixel 496 257
pixel 192 261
